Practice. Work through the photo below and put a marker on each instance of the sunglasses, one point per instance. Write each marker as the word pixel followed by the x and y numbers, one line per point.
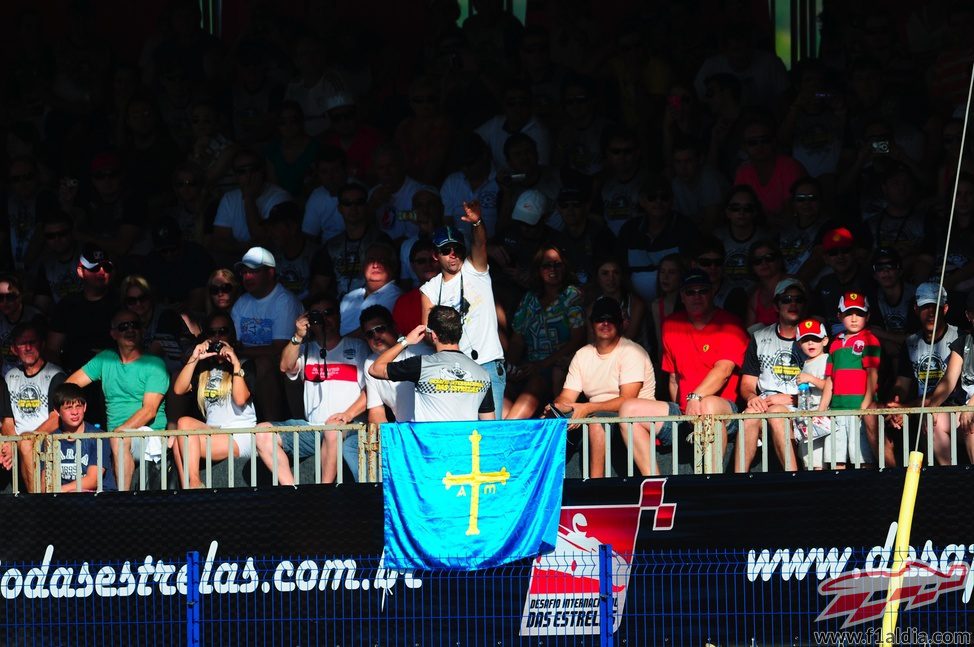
pixel 98 267
pixel 766 258
pixel 54 235
pixel 125 326
pixel 552 265
pixel 222 331
pixel 841 251
pixel 886 267
pixel 806 197
pixel 738 207
pixel 790 298
pixel 246 168
pixel 375 332
pixel 224 288
pixel 131 301
pixel 696 292
pixel 354 203
pixel 758 141
pixel 9 297
pixel 446 250
pixel 710 262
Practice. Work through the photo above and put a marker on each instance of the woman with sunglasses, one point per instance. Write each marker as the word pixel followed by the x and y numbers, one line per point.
pixel 223 385
pixel 165 333
pixel 224 289
pixel 13 311
pixel 744 226
pixel 549 326
pixel 768 269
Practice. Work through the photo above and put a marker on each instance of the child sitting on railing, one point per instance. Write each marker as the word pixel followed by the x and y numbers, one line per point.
pixel 80 461
pixel 812 338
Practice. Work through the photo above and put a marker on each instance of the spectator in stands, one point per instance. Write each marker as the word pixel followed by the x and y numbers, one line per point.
pixel 669 278
pixel 25 207
pixel 612 280
pixel 465 285
pixel 449 385
pixel 847 275
pixel 643 242
pixel 224 289
pixel 762 74
pixel 746 225
pixel 13 311
pixel 397 398
pixel 583 237
pixel 523 173
pixel 769 376
pixel 223 385
pixel 548 327
pixel 425 137
pixel 393 195
pixel 379 267
pixel 767 267
pixel 607 372
pixel 135 386
pixel 313 86
pixel 902 224
pixel 960 256
pixel 723 98
pixel 262 318
pixel 150 153
pixel 69 402
pixel 517 117
pixel 57 272
pixel 893 315
pixel 770 174
pixel 164 334
pixel 698 189
pixel 703 351
pixel 624 177
pixel 177 268
pixel 113 218
pixel 30 386
pixel 195 204
pixel 358 140
pixel 253 95
pixel 80 324
pixel 813 338
pixel 408 310
pixel 814 125
pixel 239 218
pixel 476 181
pixel 212 152
pixel 708 255
pixel 347 249
pixel 292 154
pixel 332 370
pixel 293 251
pixel 578 144
pixel 923 362
pixel 800 238
pixel 322 220
pixel 428 214
pixel 518 243
pixel 852 375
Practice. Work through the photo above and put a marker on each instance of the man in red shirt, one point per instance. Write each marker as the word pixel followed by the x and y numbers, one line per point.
pixel 703 350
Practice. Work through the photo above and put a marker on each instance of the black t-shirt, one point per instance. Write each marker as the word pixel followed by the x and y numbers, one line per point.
pixel 965 383
pixel 86 326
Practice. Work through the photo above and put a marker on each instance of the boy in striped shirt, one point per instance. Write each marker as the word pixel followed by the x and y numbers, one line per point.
pixel 851 375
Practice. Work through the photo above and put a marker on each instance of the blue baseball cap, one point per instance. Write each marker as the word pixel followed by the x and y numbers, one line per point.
pixel 446 235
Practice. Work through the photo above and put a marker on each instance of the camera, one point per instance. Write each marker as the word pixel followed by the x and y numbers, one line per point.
pixel 214 347
pixel 315 318
pixel 881 146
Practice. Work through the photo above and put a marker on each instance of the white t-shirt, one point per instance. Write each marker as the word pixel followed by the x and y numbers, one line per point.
pixel 355 302
pixel 761 83
pixel 261 321
pixel 387 215
pixel 231 214
pixel 398 396
pixel 456 190
pixel 321 216
pixel 312 101
pixel 333 383
pixel 492 131
pixel 224 413
pixel 480 320
pixel 600 376
pixel 30 397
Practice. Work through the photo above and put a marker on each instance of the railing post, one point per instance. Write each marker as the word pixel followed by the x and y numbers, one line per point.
pixel 606 601
pixel 193 599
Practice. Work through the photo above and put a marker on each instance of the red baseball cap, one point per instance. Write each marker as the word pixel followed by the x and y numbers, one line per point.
pixel 838 238
pixel 853 301
pixel 811 328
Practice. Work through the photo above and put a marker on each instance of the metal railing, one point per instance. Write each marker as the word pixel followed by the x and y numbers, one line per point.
pixel 697 447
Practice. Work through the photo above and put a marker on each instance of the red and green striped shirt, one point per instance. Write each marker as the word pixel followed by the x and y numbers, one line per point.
pixel 849 357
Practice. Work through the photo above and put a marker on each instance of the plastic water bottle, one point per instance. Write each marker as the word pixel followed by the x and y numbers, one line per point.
pixel 804 423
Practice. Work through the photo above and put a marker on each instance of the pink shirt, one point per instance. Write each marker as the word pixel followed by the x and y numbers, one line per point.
pixel 776 192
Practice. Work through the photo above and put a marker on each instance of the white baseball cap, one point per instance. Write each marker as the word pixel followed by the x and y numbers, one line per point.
pixel 257 257
pixel 530 207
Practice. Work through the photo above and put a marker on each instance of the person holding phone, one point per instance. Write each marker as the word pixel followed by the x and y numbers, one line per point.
pixel 223 385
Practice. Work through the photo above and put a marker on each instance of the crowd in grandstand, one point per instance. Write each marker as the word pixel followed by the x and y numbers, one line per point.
pixel 566 218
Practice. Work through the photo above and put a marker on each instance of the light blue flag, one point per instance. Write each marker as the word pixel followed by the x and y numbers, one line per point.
pixel 471 495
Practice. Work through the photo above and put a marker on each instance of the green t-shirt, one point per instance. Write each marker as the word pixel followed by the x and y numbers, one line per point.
pixel 124 385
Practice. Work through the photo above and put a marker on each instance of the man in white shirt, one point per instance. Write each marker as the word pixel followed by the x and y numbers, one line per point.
pixel 393 195
pixel 322 219
pixel 332 370
pixel 240 215
pixel 379 269
pixel 263 318
pixel 475 181
pixel 464 285
pixel 517 118
pixel 380 333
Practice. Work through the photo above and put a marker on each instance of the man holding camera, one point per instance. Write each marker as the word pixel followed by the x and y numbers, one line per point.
pixel 332 369
pixel 263 318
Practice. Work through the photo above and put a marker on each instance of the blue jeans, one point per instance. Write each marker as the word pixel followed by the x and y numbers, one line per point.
pixel 665 433
pixel 498 383
pixel 306 444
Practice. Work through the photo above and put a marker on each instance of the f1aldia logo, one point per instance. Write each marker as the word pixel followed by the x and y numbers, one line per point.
pixel 862 595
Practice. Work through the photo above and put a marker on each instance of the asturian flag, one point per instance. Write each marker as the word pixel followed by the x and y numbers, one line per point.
pixel 471 495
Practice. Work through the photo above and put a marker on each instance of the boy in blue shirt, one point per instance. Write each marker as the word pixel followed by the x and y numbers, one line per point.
pixel 70 403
